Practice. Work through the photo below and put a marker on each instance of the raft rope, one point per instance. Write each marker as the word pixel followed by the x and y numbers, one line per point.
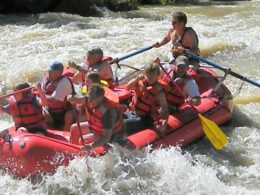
pixel 239 89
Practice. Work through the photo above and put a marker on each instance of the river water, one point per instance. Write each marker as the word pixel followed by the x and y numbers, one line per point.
pixel 229 35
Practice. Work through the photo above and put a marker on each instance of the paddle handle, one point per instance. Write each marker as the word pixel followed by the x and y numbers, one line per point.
pixel 16 92
pixel 116 60
pixel 229 71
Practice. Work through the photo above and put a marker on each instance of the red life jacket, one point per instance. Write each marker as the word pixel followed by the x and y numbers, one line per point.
pixel 26 113
pixel 144 101
pixel 49 87
pixel 105 59
pixel 174 96
pixel 95 115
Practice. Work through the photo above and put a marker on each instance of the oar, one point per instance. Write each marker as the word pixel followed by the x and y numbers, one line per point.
pixel 82 140
pixel 16 92
pixel 229 71
pixel 211 129
pixel 116 60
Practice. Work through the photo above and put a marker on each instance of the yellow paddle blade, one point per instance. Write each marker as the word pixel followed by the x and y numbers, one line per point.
pixel 213 132
pixel 247 99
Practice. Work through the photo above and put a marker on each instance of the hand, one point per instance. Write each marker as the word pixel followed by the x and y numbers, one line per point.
pixel 180 50
pixel 189 101
pixel 157 45
pixel 157 60
pixel 72 65
pixel 161 126
pixel 70 98
pixel 38 86
pixel 87 147
pixel 140 77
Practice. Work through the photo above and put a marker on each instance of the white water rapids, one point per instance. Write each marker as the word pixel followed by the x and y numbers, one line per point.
pixel 229 35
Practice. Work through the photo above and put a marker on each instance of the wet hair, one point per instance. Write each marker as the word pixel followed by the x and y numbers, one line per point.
pixel 96 90
pixel 152 68
pixel 182 17
pixel 96 51
pixel 94 76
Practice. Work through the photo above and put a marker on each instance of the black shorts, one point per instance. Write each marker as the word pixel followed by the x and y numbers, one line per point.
pixel 37 130
pixel 58 119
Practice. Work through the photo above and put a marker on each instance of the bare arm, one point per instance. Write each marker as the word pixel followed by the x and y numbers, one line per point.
pixel 44 99
pixel 165 40
pixel 164 113
pixel 78 68
pixel 133 83
pixel 104 139
pixel 82 100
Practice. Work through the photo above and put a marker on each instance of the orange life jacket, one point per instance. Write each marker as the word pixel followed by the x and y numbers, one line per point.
pixel 105 59
pixel 26 113
pixel 144 101
pixel 95 115
pixel 49 87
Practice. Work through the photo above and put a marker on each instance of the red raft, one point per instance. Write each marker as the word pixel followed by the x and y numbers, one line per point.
pixel 25 154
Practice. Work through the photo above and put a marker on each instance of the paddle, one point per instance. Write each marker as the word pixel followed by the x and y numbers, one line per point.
pixel 211 130
pixel 227 70
pixel 16 92
pixel 116 60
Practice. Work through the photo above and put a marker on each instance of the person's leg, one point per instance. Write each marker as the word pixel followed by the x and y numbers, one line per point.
pixel 48 120
pixel 69 119
pixel 75 132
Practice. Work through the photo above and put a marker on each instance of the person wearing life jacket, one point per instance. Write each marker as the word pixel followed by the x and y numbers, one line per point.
pixel 53 92
pixel 149 103
pixel 95 60
pixel 182 38
pixel 184 88
pixel 93 77
pixel 105 122
pixel 26 111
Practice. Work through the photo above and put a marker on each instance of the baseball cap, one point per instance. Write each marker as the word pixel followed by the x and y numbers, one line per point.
pixel 182 61
pixel 56 65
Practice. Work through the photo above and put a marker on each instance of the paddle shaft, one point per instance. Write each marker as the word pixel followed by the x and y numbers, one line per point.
pixel 16 92
pixel 132 54
pixel 175 85
pixel 229 71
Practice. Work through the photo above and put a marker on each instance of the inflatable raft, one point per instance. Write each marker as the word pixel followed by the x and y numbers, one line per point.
pixel 25 154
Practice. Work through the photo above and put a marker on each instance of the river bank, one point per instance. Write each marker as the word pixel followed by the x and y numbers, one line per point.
pixel 90 7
